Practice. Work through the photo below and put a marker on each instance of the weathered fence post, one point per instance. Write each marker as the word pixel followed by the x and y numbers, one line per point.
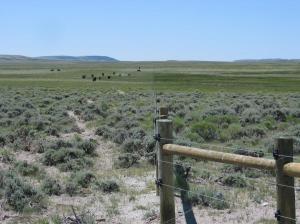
pixel 283 153
pixel 163 114
pixel 165 174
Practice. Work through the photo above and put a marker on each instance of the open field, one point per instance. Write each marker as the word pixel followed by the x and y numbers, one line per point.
pixel 67 142
pixel 183 76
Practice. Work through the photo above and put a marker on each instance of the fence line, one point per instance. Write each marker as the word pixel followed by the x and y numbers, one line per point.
pixel 283 155
pixel 252 179
pixel 214 198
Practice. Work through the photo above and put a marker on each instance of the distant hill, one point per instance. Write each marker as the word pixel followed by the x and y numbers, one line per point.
pixel 8 58
pixel 78 58
pixel 267 60
pixel 13 57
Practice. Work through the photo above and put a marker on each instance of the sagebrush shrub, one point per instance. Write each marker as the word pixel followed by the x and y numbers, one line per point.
pixel 251 116
pixel 2 141
pixel 54 131
pixel 126 160
pixel 255 131
pixel 61 144
pixel 235 180
pixel 222 121
pixel 51 187
pixel 20 195
pixel 75 164
pixel 206 130
pixel 221 110
pixel 120 136
pixel 6 156
pixel 137 133
pixel 53 157
pixel 208 198
pixel 131 145
pixel 247 152
pixel 178 124
pixel 107 186
pixel 88 146
pixel 26 169
pixel 83 178
pixel 71 188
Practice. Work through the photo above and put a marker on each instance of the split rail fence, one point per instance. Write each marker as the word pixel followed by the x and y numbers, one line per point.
pixel 282 164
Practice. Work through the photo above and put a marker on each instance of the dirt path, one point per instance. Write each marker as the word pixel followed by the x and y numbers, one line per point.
pixel 136 211
pixel 86 132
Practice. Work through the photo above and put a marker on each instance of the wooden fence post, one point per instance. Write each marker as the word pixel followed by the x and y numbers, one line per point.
pixel 165 167
pixel 163 114
pixel 286 212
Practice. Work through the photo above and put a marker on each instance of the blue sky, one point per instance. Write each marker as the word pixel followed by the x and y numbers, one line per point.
pixel 152 29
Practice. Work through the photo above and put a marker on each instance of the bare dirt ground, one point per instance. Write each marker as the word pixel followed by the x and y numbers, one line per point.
pixel 137 204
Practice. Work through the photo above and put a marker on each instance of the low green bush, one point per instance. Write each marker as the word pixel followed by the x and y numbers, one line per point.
pixel 2 141
pixel 107 186
pixel 120 136
pixel 72 188
pixel 235 131
pixel 20 195
pixel 53 131
pixel 26 169
pixel 249 152
pixel 193 137
pixel 222 121
pixel 53 157
pixel 178 124
pixel 88 146
pixel 51 187
pixel 270 123
pixel 6 156
pixel 248 172
pixel 235 180
pixel 61 144
pixel 208 197
pixel 75 164
pixel 83 178
pixel 251 116
pixel 255 131
pixel 106 132
pixel 67 159
pixel 131 145
pixel 252 173
pixel 207 130
pixel 126 160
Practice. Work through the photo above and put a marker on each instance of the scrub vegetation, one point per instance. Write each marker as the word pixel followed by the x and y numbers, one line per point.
pixel 70 144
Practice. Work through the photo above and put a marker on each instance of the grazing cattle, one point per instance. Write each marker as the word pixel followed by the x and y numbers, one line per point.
pixel 103 74
pixel 108 77
pixel 99 78
pixel 94 79
pixel 83 76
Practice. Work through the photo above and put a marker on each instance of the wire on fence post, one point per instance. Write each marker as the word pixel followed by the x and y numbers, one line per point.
pixel 167 204
pixel 285 196
pixel 163 114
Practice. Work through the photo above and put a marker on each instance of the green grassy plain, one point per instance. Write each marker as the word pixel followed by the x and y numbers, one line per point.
pixel 161 76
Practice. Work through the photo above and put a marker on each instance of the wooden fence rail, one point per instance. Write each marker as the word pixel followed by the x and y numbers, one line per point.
pixel 282 164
